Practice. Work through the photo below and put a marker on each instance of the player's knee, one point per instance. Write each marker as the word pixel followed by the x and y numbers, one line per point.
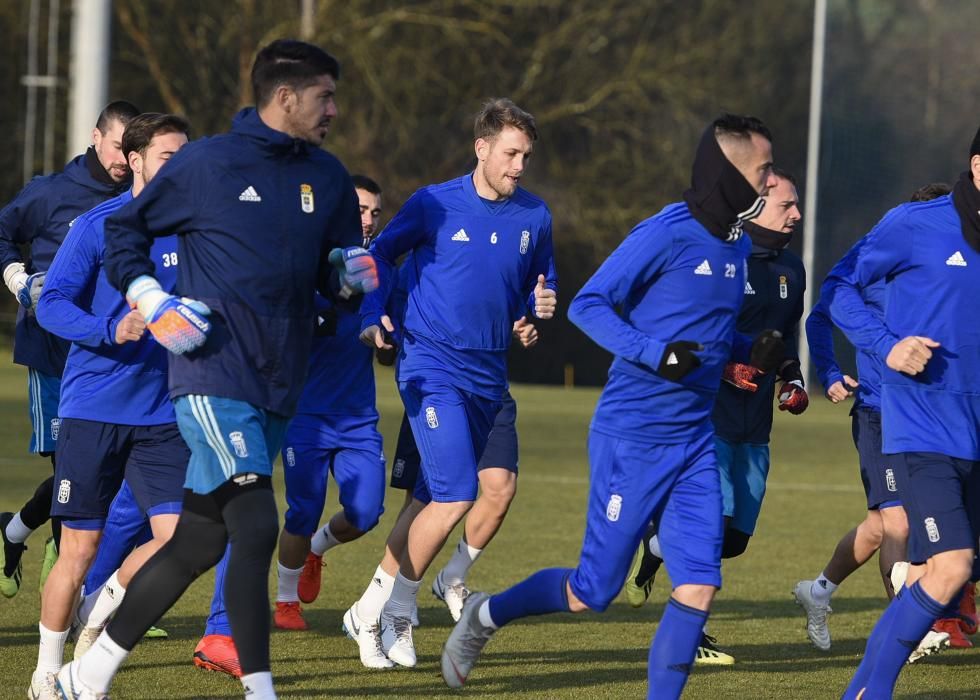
pixel 734 544
pixel 498 488
pixel 576 604
pixel 364 517
pixel 951 570
pixel 895 523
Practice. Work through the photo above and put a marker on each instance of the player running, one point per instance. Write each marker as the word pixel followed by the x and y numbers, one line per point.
pixel 116 416
pixel 680 278
pixel 930 401
pixel 483 235
pixel 258 212
pixel 334 432
pixel 743 410
pixel 885 526
pixel 39 218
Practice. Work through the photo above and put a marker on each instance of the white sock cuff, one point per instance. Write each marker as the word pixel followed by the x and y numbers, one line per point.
pixel 484 614
pixel 472 551
pixel 116 588
pixel 383 575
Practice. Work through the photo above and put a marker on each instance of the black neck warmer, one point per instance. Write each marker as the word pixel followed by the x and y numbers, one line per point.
pixel 720 198
pixel 966 199
pixel 766 237
pixel 95 168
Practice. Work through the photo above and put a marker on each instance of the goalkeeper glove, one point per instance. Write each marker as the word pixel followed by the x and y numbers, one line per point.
pixel 741 376
pixel 679 359
pixel 767 350
pixel 793 398
pixel 357 269
pixel 178 324
pixel 31 291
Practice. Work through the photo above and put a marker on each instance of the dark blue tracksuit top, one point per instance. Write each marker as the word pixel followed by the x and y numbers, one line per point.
pixel 39 217
pixel 256 213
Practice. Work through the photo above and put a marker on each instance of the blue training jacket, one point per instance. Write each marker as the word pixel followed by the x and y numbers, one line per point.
pixel 820 338
pixel 472 274
pixel 123 384
pixel 256 213
pixel 932 290
pixel 39 217
pixel 773 298
pixel 673 281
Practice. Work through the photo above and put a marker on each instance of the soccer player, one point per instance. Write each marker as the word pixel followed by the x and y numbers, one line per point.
pixel 39 218
pixel 334 432
pixel 679 280
pixel 258 213
pixel 481 258
pixel 116 416
pixel 930 400
pixel 885 526
pixel 497 474
pixel 743 410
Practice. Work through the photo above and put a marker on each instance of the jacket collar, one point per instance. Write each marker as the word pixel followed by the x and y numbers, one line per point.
pixel 248 123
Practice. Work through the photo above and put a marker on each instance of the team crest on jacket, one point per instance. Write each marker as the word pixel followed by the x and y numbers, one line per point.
pixel 525 241
pixel 783 287
pixel 306 198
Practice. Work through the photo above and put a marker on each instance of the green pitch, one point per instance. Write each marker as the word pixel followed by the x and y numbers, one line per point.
pixel 814 497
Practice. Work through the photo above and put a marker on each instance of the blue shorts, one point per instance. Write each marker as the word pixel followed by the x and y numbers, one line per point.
pixel 43 391
pixel 94 457
pixel 632 483
pixel 451 427
pixel 743 468
pixel 501 449
pixel 350 448
pixel 942 500
pixel 227 438
pixel 878 473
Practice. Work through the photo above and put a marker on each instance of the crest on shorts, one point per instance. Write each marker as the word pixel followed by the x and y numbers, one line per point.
pixel 55 428
pixel 398 468
pixel 64 491
pixel 431 418
pixel 783 287
pixel 932 530
pixel 290 457
pixel 613 508
pixel 306 198
pixel 890 480
pixel 238 442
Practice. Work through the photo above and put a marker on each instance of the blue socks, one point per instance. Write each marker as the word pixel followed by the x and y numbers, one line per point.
pixel 673 649
pixel 539 594
pixel 896 635
pixel 218 619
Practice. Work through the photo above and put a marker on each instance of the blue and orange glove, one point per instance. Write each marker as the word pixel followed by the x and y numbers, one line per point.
pixel 357 269
pixel 177 323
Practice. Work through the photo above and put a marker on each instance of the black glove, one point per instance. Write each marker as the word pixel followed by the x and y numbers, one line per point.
pixel 768 350
pixel 679 359
pixel 325 323
pixel 387 356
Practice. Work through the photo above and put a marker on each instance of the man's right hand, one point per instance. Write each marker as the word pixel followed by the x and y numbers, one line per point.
pixel 910 355
pixel 525 332
pixel 130 328
pixel 379 339
pixel 842 390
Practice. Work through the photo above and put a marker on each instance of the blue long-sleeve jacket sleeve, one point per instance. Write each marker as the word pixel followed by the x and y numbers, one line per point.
pixel 70 279
pixel 543 263
pixel 876 257
pixel 403 233
pixel 18 224
pixel 633 264
pixel 820 340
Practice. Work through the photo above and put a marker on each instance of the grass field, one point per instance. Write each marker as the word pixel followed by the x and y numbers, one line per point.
pixel 814 497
